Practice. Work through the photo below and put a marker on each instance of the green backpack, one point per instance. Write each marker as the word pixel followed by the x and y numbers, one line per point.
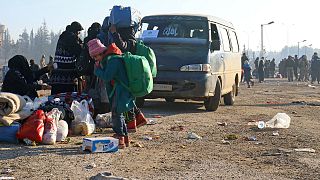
pixel 147 52
pixel 139 75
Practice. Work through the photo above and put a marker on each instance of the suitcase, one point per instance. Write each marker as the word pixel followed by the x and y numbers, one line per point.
pixel 124 17
pixel 8 133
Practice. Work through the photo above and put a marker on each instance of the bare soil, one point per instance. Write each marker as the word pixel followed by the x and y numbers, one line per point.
pixel 171 155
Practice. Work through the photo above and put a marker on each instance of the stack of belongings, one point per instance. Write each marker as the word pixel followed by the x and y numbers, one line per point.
pixel 13 108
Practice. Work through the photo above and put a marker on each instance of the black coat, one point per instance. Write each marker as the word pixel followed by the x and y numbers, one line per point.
pixel 20 79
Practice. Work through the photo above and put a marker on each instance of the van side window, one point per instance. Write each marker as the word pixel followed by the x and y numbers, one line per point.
pixel 214 32
pixel 225 40
pixel 234 42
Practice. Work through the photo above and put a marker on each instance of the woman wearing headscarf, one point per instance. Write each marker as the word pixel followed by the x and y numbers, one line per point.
pixel 69 47
pixel 21 80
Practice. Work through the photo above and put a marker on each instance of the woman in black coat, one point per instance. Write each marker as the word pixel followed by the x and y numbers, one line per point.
pixel 21 80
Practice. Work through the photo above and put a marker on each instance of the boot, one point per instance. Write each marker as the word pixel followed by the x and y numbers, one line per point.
pixel 132 126
pixel 141 120
pixel 127 141
pixel 122 144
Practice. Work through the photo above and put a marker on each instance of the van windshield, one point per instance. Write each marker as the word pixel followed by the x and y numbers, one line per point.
pixel 171 28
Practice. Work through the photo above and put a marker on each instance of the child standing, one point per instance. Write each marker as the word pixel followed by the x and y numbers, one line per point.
pixel 109 68
pixel 247 74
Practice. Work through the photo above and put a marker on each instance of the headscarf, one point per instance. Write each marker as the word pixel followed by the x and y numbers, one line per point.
pixel 20 63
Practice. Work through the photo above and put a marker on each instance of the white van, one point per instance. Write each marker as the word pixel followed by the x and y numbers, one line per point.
pixel 197 58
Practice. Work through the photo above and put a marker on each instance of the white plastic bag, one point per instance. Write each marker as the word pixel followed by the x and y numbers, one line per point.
pixel 50 126
pixel 62 130
pixel 280 120
pixel 104 120
pixel 83 122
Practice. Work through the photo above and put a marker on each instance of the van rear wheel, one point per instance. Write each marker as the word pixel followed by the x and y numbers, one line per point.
pixel 140 102
pixel 212 102
pixel 230 97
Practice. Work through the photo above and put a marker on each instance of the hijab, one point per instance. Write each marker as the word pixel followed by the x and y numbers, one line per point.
pixel 20 63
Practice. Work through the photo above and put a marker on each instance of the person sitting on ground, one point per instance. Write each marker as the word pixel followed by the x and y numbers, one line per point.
pixel 20 79
pixel 109 68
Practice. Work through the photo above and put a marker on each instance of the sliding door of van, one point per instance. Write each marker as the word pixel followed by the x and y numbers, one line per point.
pixel 225 60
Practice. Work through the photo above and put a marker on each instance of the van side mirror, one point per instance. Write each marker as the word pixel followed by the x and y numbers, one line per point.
pixel 215 45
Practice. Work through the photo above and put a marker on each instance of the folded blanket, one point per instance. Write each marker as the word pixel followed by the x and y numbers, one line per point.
pixel 20 115
pixel 10 103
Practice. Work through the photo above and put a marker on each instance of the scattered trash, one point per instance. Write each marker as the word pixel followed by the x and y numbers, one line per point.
pixel 192 135
pixel 225 142
pixel 299 102
pixel 254 123
pixel 271 154
pixel 151 122
pixel 157 116
pixel 147 138
pixel 222 123
pixel 280 120
pixel 28 142
pixel 177 128
pixel 137 145
pixel 106 176
pixel 156 137
pixel 91 166
pixel 309 150
pixel 7 171
pixel 275 133
pixel 294 112
pixel 258 143
pixel 261 125
pixel 285 150
pixel 231 137
pixel 251 138
pixel 311 86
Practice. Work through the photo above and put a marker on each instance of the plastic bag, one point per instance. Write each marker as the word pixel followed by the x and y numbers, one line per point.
pixel 83 122
pixel 62 130
pixel 104 120
pixel 50 126
pixel 280 120
pixel 33 128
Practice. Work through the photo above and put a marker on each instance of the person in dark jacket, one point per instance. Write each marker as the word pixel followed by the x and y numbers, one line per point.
pixel 34 66
pixel 20 79
pixel 290 68
pixel 125 40
pixel 261 70
pixel 315 68
pixel 64 77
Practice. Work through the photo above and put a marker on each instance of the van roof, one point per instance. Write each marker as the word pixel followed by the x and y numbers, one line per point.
pixel 190 17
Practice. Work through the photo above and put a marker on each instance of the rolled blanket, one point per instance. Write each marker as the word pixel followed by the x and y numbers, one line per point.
pixel 10 103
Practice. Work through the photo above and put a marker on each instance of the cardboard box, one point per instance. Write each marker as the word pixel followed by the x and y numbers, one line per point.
pixel 100 144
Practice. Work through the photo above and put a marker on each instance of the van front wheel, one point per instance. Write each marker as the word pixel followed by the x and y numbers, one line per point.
pixel 230 97
pixel 212 102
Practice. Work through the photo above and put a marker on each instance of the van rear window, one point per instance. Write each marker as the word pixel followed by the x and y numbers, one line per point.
pixel 177 29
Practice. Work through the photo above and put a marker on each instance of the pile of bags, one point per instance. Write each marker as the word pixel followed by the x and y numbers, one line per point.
pixel 45 120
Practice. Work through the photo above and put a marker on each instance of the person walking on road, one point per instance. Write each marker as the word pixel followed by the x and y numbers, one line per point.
pixel 290 68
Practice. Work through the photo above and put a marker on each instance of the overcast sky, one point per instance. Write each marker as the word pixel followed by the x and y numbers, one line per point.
pixel 294 20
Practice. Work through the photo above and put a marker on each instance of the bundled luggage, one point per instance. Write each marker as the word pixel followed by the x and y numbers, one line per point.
pixel 124 17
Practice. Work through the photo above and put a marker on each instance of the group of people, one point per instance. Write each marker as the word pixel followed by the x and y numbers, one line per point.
pixel 103 69
pixel 300 69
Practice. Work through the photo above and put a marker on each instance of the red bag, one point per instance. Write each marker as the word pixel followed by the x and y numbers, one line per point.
pixel 33 128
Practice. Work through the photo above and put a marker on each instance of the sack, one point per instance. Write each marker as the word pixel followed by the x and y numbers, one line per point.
pixel 83 122
pixel 50 127
pixel 62 130
pixel 147 52
pixel 139 75
pixel 33 128
pixel 84 64
pixel 124 17
pixel 104 120
pixel 8 133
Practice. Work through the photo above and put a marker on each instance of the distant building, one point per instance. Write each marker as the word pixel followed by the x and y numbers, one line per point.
pixel 2 31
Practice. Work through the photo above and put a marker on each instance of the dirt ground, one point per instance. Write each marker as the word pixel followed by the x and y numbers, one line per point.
pixel 171 155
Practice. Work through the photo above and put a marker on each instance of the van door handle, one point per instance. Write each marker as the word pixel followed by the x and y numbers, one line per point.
pixel 221 57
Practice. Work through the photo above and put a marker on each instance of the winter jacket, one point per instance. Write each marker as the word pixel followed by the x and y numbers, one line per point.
pixel 110 70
